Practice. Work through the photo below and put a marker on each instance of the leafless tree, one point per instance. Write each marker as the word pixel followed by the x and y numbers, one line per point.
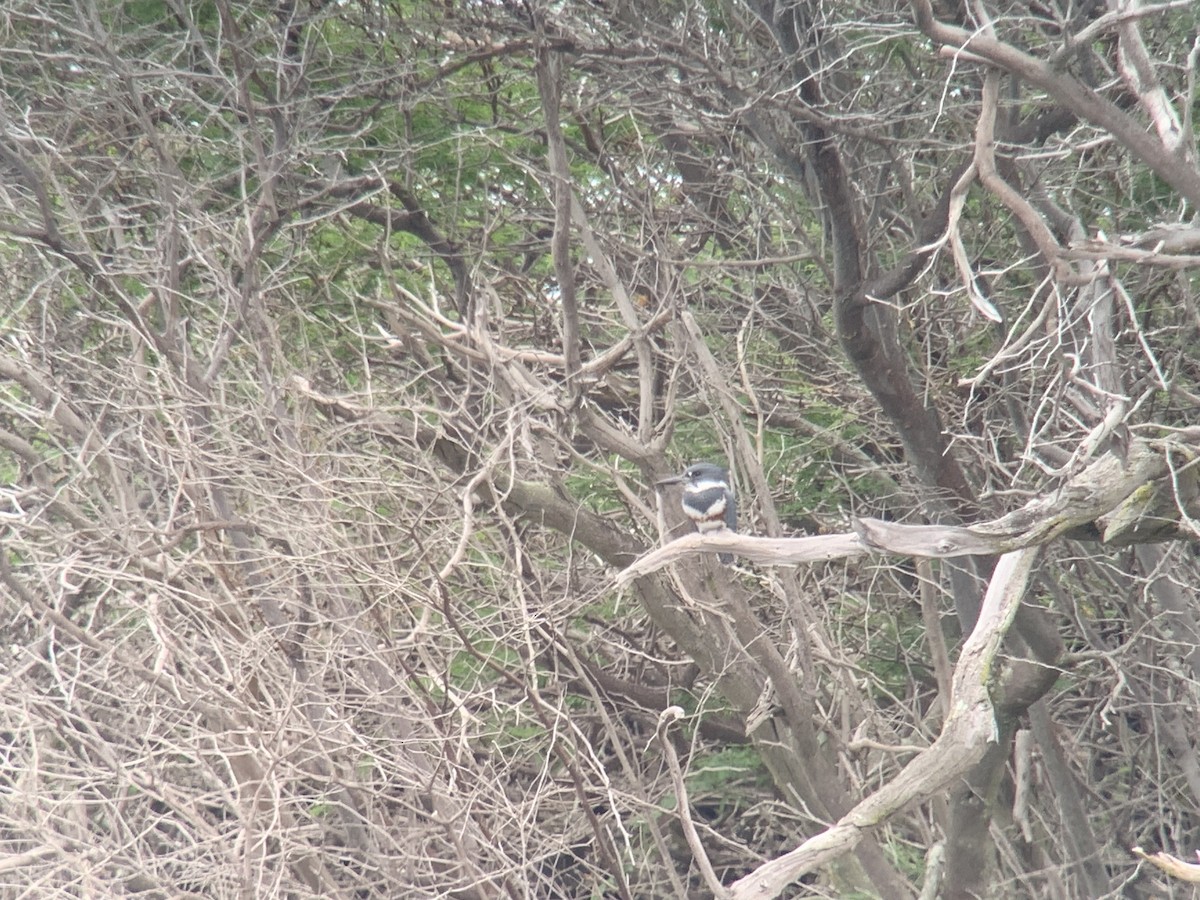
pixel 344 343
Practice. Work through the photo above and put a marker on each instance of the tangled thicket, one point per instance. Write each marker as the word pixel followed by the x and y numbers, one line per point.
pixel 343 343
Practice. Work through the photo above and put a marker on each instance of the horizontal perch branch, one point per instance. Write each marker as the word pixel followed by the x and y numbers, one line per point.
pixel 1119 499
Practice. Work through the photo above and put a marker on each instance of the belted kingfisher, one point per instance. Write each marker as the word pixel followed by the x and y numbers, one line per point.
pixel 708 500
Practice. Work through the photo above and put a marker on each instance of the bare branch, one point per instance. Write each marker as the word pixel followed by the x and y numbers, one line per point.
pixel 1071 93
pixel 962 742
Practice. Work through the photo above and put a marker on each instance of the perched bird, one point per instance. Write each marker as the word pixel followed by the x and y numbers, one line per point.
pixel 708 500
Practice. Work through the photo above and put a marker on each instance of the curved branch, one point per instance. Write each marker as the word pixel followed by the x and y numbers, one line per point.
pixel 1069 92
pixel 969 729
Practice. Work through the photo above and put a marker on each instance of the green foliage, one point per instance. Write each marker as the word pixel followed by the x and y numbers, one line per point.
pixel 909 858
pixel 719 780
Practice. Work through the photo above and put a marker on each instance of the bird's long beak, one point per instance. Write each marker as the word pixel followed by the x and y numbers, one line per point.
pixel 674 479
